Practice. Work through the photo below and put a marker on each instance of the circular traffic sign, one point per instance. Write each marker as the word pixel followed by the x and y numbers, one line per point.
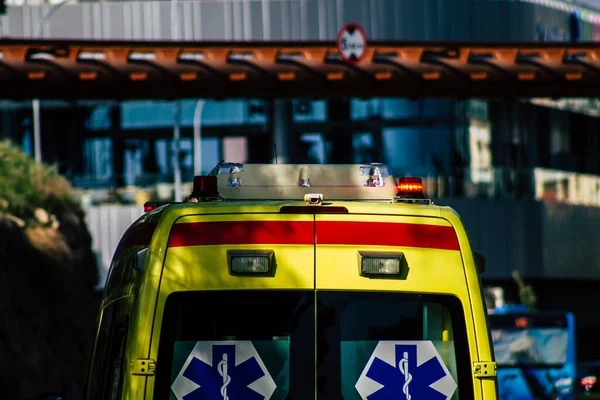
pixel 352 43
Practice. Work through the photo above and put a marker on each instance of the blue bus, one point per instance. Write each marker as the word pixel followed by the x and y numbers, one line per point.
pixel 535 354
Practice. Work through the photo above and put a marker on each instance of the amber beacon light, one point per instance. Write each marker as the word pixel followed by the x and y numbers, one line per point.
pixel 410 187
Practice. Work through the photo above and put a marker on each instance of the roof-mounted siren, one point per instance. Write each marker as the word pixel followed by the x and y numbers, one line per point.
pixel 410 190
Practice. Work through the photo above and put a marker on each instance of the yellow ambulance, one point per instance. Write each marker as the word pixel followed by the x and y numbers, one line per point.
pixel 298 282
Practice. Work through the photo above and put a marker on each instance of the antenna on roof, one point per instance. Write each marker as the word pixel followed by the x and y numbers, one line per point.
pixel 275 150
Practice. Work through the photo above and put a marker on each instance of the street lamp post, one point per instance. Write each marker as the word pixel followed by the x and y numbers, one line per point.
pixel 177 111
pixel 37 140
pixel 198 137
pixel 176 160
pixel 49 14
pixel 174 21
pixel 35 103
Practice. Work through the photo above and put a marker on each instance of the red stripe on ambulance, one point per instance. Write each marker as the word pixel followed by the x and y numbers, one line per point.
pixel 302 233
pixel 242 232
pixel 386 234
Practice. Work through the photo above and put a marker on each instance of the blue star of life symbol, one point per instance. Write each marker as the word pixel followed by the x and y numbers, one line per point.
pixel 405 379
pixel 224 380
pixel 225 375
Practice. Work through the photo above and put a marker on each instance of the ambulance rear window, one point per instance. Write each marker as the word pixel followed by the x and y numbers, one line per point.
pixel 264 339
pixel 261 344
pixel 391 344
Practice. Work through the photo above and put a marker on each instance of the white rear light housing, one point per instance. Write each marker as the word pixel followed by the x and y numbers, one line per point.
pixel 382 264
pixel 251 262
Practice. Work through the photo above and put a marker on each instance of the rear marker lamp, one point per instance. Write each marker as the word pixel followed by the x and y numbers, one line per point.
pixel 381 265
pixel 153 205
pixel 251 262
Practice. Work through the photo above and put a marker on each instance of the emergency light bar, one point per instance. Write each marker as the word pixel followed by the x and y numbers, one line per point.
pixel 235 181
pixel 364 182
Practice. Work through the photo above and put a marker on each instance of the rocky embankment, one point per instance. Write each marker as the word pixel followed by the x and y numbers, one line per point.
pixel 48 303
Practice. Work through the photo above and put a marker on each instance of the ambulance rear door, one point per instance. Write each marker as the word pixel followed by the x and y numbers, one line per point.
pixel 389 313
pixel 230 327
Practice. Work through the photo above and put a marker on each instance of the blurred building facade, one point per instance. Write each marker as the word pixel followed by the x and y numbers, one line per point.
pixel 525 171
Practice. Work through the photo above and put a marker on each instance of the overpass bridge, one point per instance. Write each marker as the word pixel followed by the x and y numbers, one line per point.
pixel 119 70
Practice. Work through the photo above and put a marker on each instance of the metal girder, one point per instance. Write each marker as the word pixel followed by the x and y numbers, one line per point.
pixel 51 69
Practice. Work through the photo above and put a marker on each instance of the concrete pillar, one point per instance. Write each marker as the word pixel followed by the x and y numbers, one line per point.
pixel 281 121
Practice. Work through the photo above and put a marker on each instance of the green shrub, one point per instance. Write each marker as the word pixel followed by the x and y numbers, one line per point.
pixel 26 185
